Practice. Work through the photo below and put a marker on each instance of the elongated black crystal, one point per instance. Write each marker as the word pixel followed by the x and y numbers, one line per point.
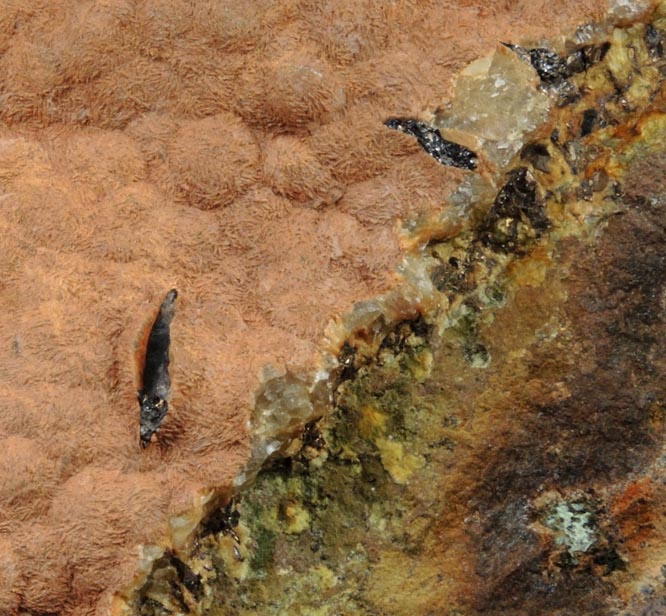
pixel 156 383
pixel 430 139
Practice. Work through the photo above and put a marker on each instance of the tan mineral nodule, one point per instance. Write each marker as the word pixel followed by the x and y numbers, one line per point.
pixel 234 151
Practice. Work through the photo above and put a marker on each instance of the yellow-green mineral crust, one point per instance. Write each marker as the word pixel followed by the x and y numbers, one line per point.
pixel 495 443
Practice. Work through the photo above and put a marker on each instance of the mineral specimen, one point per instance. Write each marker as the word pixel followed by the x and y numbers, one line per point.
pixel 236 149
pixel 497 434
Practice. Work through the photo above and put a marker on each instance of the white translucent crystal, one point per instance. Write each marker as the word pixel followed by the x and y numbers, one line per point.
pixel 628 9
pixel 590 33
pixel 497 101
pixel 419 289
pixel 473 189
pixel 283 405
pixel 364 314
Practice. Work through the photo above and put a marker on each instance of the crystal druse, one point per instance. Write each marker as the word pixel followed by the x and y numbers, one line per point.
pixel 487 438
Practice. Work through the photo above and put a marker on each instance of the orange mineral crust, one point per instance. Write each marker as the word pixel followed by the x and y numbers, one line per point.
pixel 236 152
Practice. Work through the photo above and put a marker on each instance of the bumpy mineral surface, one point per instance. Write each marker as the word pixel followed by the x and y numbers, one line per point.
pixel 483 436
pixel 496 444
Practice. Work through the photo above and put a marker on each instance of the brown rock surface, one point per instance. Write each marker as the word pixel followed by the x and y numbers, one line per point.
pixel 235 151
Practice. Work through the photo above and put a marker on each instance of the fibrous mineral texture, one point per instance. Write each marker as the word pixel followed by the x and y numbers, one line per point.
pixel 236 151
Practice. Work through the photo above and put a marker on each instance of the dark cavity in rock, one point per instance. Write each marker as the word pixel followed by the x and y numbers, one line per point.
pixel 155 381
pixel 590 121
pixel 655 42
pixel 537 155
pixel 187 577
pixel 223 520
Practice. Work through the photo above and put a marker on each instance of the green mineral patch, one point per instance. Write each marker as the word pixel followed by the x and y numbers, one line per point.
pixel 522 365
pixel 574 526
